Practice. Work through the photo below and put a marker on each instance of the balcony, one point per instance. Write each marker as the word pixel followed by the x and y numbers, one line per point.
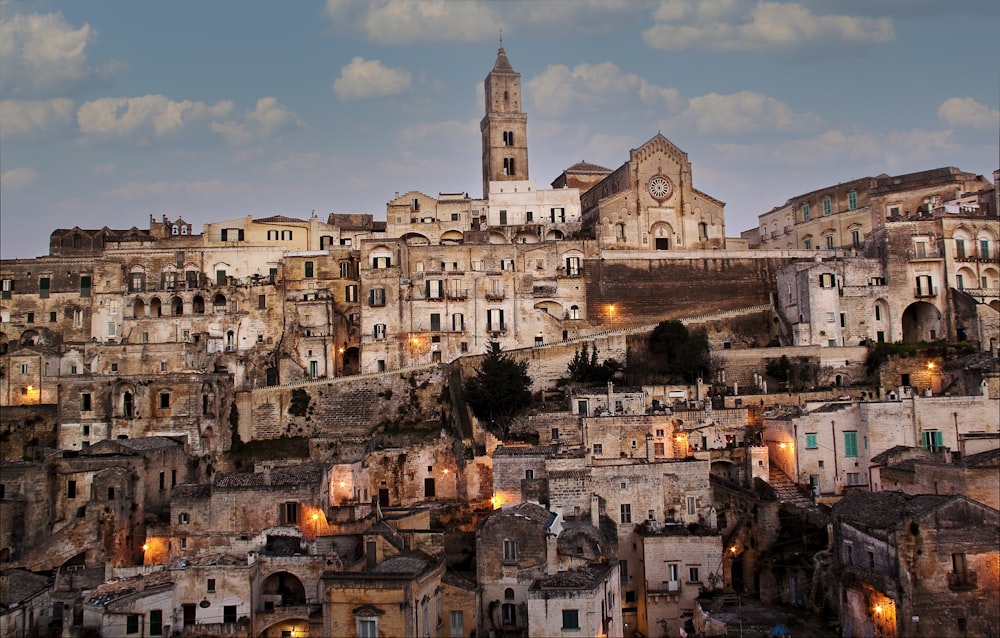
pixel 962 581
pixel 495 295
pixel 925 292
pixel 458 295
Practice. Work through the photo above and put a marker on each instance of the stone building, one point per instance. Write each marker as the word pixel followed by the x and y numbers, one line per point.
pixel 841 216
pixel 650 203
pixel 916 565
pixel 583 601
pixel 920 471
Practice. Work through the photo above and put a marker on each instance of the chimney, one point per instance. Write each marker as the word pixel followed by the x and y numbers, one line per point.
pixel 595 511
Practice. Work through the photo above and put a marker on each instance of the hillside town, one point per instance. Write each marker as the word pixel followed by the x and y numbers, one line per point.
pixel 585 408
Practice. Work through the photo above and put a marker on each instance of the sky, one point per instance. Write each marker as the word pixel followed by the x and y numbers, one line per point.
pixel 115 110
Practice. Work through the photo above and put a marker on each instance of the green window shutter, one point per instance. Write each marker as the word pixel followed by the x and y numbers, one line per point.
pixel 811 441
pixel 850 443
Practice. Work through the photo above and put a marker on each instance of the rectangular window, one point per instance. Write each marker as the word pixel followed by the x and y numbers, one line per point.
pixel 829 241
pixel 164 400
pixel 379 332
pixel 457 625
pixel 856 238
pixel 570 619
pixel 853 478
pixel 351 293
pixel 85 402
pixel 852 200
pixel 851 443
pixel 932 440
pixel 693 575
pixel 381 262
pixel 626 513
pixel 458 322
pixel 494 320
pixel 827 207
pixel 509 550
pixel 43 287
pixel 435 321
pixel 112 329
pixel 309 270
pixel 598 448
pixel 811 441
pixel 52 317
pixel 30 318
pixel 691 505
pixel 132 624
pixel 114 367
pixel 229 614
pixel 433 289
pixel 155 622
pixel 290 512
pixel 808 244
pixel 805 212
pixel 210 586
pixel 6 288
pixel 376 297
pixel 71 489
pixel 345 270
pixel 503 218
pixel 572 266
pixel 984 249
pixel 659 449
pixel 830 317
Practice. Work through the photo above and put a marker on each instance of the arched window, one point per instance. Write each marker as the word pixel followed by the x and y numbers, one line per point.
pixel 175 230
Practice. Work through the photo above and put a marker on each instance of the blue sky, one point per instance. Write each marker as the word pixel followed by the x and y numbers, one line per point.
pixel 114 110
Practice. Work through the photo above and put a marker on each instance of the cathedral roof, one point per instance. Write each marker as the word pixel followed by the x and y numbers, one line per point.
pixel 587 167
pixel 502 64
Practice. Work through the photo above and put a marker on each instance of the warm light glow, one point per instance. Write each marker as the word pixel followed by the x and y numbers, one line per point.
pixel 343 484
pixel 496 501
pixel 680 438
pixel 611 309
pixel 31 388
pixel 315 517
pixel 878 609
pixel 732 549
pixel 341 351
pixel 782 445
pixel 145 547
pixel 446 470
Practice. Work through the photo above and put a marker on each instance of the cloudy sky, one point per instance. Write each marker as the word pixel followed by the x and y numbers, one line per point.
pixel 116 110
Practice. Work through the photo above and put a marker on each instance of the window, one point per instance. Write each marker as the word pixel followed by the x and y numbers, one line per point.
pixel 829 241
pixel 351 293
pixel 925 286
pixel 309 270
pixel 506 264
pixel 85 402
pixel 43 287
pixel 852 200
pixel 7 287
pixel 984 249
pixel 830 317
pixel 290 512
pixel 503 218
pixel 827 280
pixel 29 318
pixel 555 434
pixel 494 320
pixel 851 443
pixel 557 214
pixel 693 575
pixel 932 440
pixel 164 400
pixel 848 553
pixel 210 587
pixel 183 518
pixel 805 212
pixel 345 270
pixel 478 264
pixel 458 322
pixel 367 626
pixel 231 234
pixel 843 320
pixel 435 321
pixel 71 489
pixel 598 448
pixel 508 166
pixel 808 244
pixel 572 266
pixel 433 289
pixel 626 513
pixel 878 313
pixel 827 207
pixel 853 478
pixel 659 449
pixel 155 622
pixel 509 614
pixel 691 505
pixel 509 550
pixel 114 367
pixel 379 332
pixel 52 317
pixel 229 611
pixel 570 619
pixel 811 441
pixel 132 624
pixel 376 297
pixel 285 235
pixel 381 262
pixel 856 238
pixel 457 625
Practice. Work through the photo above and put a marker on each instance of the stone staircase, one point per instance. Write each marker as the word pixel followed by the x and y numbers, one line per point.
pixel 788 491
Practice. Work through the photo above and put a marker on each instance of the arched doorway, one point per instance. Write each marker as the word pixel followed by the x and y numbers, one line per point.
pixel 198 305
pixel 281 589
pixel 351 362
pixel 921 322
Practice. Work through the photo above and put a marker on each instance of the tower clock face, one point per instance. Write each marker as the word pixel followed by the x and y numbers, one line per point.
pixel 659 187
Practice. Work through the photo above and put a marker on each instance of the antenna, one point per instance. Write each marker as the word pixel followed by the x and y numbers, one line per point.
pixel 501 37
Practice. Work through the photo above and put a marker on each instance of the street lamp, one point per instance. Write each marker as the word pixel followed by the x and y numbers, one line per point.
pixel 611 315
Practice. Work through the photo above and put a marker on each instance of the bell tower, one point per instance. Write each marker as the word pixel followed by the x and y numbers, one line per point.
pixel 504 127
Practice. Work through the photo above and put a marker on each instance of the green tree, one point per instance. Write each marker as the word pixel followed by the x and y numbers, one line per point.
pixel 500 391
pixel 584 368
pixel 677 353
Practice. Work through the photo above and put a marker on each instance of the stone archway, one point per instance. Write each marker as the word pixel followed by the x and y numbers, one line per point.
pixel 282 589
pixel 921 322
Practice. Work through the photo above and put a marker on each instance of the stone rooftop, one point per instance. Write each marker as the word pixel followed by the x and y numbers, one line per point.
pixel 306 474
pixel 586 577
pixel 19 585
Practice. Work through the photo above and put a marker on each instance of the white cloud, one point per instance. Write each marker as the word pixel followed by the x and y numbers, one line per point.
pixel 125 116
pixel 370 79
pixel 743 112
pixel 967 112
pixel 410 21
pixel 43 55
pixel 213 188
pixel 593 87
pixel 268 118
pixel 18 178
pixel 723 25
pixel 27 117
